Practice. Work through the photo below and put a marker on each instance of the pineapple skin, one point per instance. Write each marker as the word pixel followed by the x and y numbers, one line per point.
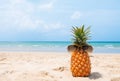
pixel 80 64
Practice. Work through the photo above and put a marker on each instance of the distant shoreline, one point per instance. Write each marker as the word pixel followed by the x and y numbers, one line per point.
pixel 57 46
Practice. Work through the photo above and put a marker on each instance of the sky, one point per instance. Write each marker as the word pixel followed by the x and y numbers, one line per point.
pixel 52 20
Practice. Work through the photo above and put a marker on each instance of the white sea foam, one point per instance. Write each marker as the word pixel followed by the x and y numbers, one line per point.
pixel 35 45
pixel 55 46
pixel 109 46
pixel 20 45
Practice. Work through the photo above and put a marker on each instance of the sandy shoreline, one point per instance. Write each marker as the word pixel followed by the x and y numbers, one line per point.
pixel 54 66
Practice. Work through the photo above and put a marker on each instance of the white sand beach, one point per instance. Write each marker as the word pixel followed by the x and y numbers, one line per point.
pixel 54 66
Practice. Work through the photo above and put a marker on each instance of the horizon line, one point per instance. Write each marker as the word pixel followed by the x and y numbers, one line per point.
pixel 62 41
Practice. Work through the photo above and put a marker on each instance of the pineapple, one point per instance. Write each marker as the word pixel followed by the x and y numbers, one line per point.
pixel 80 60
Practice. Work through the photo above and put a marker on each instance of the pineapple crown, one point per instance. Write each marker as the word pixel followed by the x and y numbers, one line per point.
pixel 80 37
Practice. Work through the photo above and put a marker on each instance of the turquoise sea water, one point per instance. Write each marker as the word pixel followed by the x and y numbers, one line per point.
pixel 61 46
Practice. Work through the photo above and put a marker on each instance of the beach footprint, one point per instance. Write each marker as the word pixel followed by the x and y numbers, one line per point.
pixel 2 59
pixel 37 76
pixel 60 69
pixel 45 74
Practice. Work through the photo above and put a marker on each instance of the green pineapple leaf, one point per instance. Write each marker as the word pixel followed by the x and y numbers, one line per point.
pixel 80 37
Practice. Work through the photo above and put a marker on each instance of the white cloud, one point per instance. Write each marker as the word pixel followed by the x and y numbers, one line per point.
pixel 20 15
pixel 17 1
pixel 47 6
pixel 76 15
pixel 53 26
pixel 16 14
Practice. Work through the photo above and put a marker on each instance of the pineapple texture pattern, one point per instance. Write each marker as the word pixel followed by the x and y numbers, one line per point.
pixel 80 64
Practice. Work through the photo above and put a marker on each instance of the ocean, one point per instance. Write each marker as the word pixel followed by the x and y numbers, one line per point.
pixel 59 46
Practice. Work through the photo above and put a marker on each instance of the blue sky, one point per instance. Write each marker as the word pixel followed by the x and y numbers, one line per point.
pixel 48 20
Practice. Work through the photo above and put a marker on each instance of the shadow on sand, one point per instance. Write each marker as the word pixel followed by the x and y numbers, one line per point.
pixel 95 75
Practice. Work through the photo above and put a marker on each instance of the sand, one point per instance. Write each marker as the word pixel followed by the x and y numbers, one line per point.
pixel 55 66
